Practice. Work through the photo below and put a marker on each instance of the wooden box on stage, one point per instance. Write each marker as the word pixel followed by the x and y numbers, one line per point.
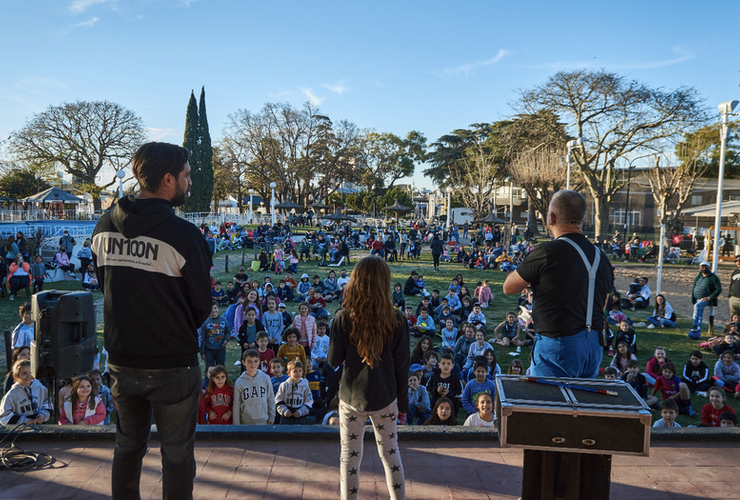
pixel 537 416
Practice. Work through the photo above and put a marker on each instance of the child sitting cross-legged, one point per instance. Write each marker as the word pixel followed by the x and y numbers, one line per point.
pixel 668 412
pixel 294 399
pixel 510 330
pixel 484 417
pixel 254 399
pixel 672 388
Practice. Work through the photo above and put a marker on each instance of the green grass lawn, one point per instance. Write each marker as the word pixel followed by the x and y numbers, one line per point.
pixel 674 340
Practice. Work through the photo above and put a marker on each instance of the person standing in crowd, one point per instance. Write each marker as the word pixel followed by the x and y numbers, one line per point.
pixel 707 288
pixel 371 340
pixel 152 344
pixel 68 242
pixel 437 248
pixel 735 289
pixel 571 279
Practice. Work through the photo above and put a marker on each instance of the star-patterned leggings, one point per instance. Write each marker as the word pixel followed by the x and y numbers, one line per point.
pixel 352 430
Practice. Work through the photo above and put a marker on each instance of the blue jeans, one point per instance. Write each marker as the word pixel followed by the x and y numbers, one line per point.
pixel 699 314
pixel 172 396
pixel 575 356
pixel 662 322
pixel 417 416
pixel 215 357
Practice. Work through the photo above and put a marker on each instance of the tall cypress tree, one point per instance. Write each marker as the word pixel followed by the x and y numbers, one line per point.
pixel 191 143
pixel 205 192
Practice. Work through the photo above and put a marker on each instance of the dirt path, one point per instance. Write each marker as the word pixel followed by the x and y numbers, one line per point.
pixel 676 287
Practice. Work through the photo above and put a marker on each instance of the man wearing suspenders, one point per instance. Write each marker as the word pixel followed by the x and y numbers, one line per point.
pixel 570 278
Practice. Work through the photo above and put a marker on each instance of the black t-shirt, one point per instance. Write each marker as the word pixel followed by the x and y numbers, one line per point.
pixel 559 279
pixel 735 283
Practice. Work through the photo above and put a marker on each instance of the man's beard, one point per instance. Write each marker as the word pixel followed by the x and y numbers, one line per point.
pixel 180 196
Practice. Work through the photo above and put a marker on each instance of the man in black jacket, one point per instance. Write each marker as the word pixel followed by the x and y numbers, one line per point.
pixel 154 267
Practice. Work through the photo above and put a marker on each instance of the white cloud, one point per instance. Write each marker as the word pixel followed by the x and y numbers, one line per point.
pixel 158 134
pixel 465 70
pixel 91 22
pixel 340 88
pixel 80 6
pixel 308 92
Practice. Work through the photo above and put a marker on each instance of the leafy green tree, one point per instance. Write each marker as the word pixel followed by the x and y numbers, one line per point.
pixel 82 137
pixel 386 158
pixel 390 197
pixel 703 147
pixel 22 183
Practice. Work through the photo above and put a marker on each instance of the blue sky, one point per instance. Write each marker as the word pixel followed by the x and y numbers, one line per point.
pixel 393 66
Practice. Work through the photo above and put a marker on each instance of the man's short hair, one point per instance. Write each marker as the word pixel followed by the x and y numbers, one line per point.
pixel 569 206
pixel 155 159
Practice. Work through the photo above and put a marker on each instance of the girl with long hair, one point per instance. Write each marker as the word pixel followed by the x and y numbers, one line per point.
pixel 219 397
pixel 663 315
pixel 82 407
pixel 371 338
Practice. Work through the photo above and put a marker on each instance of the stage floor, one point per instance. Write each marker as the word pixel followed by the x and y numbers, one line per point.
pixel 309 470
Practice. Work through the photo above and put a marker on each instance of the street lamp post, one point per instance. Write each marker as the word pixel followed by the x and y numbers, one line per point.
pixel 571 145
pixel 251 214
pixel 120 174
pixel 272 202
pixel 449 208
pixel 725 111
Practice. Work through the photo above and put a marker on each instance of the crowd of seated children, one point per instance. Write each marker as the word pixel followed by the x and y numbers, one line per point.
pixel 254 396
pixel 217 401
pixel 27 401
pixel 443 413
pixel 671 387
pixel 711 412
pixel 294 399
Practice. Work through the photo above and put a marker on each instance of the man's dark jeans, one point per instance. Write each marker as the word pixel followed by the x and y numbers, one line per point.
pixel 172 396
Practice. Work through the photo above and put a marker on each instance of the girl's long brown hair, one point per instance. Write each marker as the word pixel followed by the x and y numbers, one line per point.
pixel 74 399
pixel 367 300
pixel 217 370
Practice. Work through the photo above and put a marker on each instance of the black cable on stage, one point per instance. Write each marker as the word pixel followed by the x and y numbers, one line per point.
pixel 14 458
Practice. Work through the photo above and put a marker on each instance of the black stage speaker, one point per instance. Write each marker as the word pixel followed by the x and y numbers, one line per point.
pixel 65 341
